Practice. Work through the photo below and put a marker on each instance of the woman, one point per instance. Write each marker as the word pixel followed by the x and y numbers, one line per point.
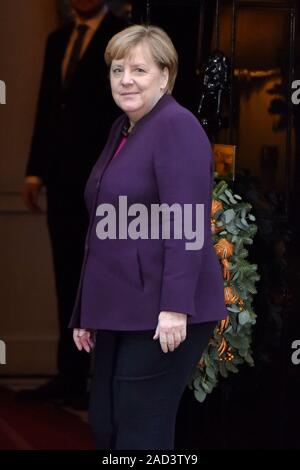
pixel 152 301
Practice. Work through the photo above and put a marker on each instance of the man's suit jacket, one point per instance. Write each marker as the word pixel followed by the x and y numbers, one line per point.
pixel 71 127
pixel 125 283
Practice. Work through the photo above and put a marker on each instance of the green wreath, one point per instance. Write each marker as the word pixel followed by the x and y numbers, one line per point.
pixel 232 230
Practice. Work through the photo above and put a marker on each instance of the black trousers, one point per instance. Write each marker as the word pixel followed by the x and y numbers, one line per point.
pixel 136 388
pixel 67 223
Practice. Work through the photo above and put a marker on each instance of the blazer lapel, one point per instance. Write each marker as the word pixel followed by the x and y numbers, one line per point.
pixel 110 148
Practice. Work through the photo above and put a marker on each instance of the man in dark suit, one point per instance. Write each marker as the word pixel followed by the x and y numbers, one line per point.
pixel 75 111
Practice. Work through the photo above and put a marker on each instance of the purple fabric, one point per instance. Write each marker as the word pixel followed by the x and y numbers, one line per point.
pixel 125 284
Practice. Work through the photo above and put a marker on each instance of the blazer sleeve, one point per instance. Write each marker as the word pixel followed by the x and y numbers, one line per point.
pixel 183 169
pixel 36 163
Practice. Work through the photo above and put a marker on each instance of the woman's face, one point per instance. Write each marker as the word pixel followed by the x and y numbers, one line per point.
pixel 137 83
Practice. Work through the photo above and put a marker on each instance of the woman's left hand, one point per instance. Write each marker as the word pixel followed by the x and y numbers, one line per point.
pixel 171 330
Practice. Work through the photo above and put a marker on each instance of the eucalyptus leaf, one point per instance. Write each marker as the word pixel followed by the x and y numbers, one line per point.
pixel 244 317
pixel 200 395
pixel 223 370
pixel 249 359
pixel 233 308
pixel 207 386
pixel 229 215
pixel 211 373
pixel 231 367
pixel 197 383
pixel 231 228
pixel 224 199
pixel 238 342
pixel 230 196
pixel 240 225
pixel 235 276
pixel 244 222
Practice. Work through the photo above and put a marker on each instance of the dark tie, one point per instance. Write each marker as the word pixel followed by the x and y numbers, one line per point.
pixel 75 54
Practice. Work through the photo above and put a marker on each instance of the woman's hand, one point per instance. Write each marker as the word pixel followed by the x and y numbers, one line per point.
pixel 171 330
pixel 84 339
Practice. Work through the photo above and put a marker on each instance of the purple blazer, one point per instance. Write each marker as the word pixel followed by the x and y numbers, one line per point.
pixel 126 283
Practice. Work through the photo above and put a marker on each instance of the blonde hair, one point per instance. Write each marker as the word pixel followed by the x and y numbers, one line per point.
pixel 161 47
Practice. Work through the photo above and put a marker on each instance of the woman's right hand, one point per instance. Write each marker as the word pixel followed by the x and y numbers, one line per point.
pixel 84 339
